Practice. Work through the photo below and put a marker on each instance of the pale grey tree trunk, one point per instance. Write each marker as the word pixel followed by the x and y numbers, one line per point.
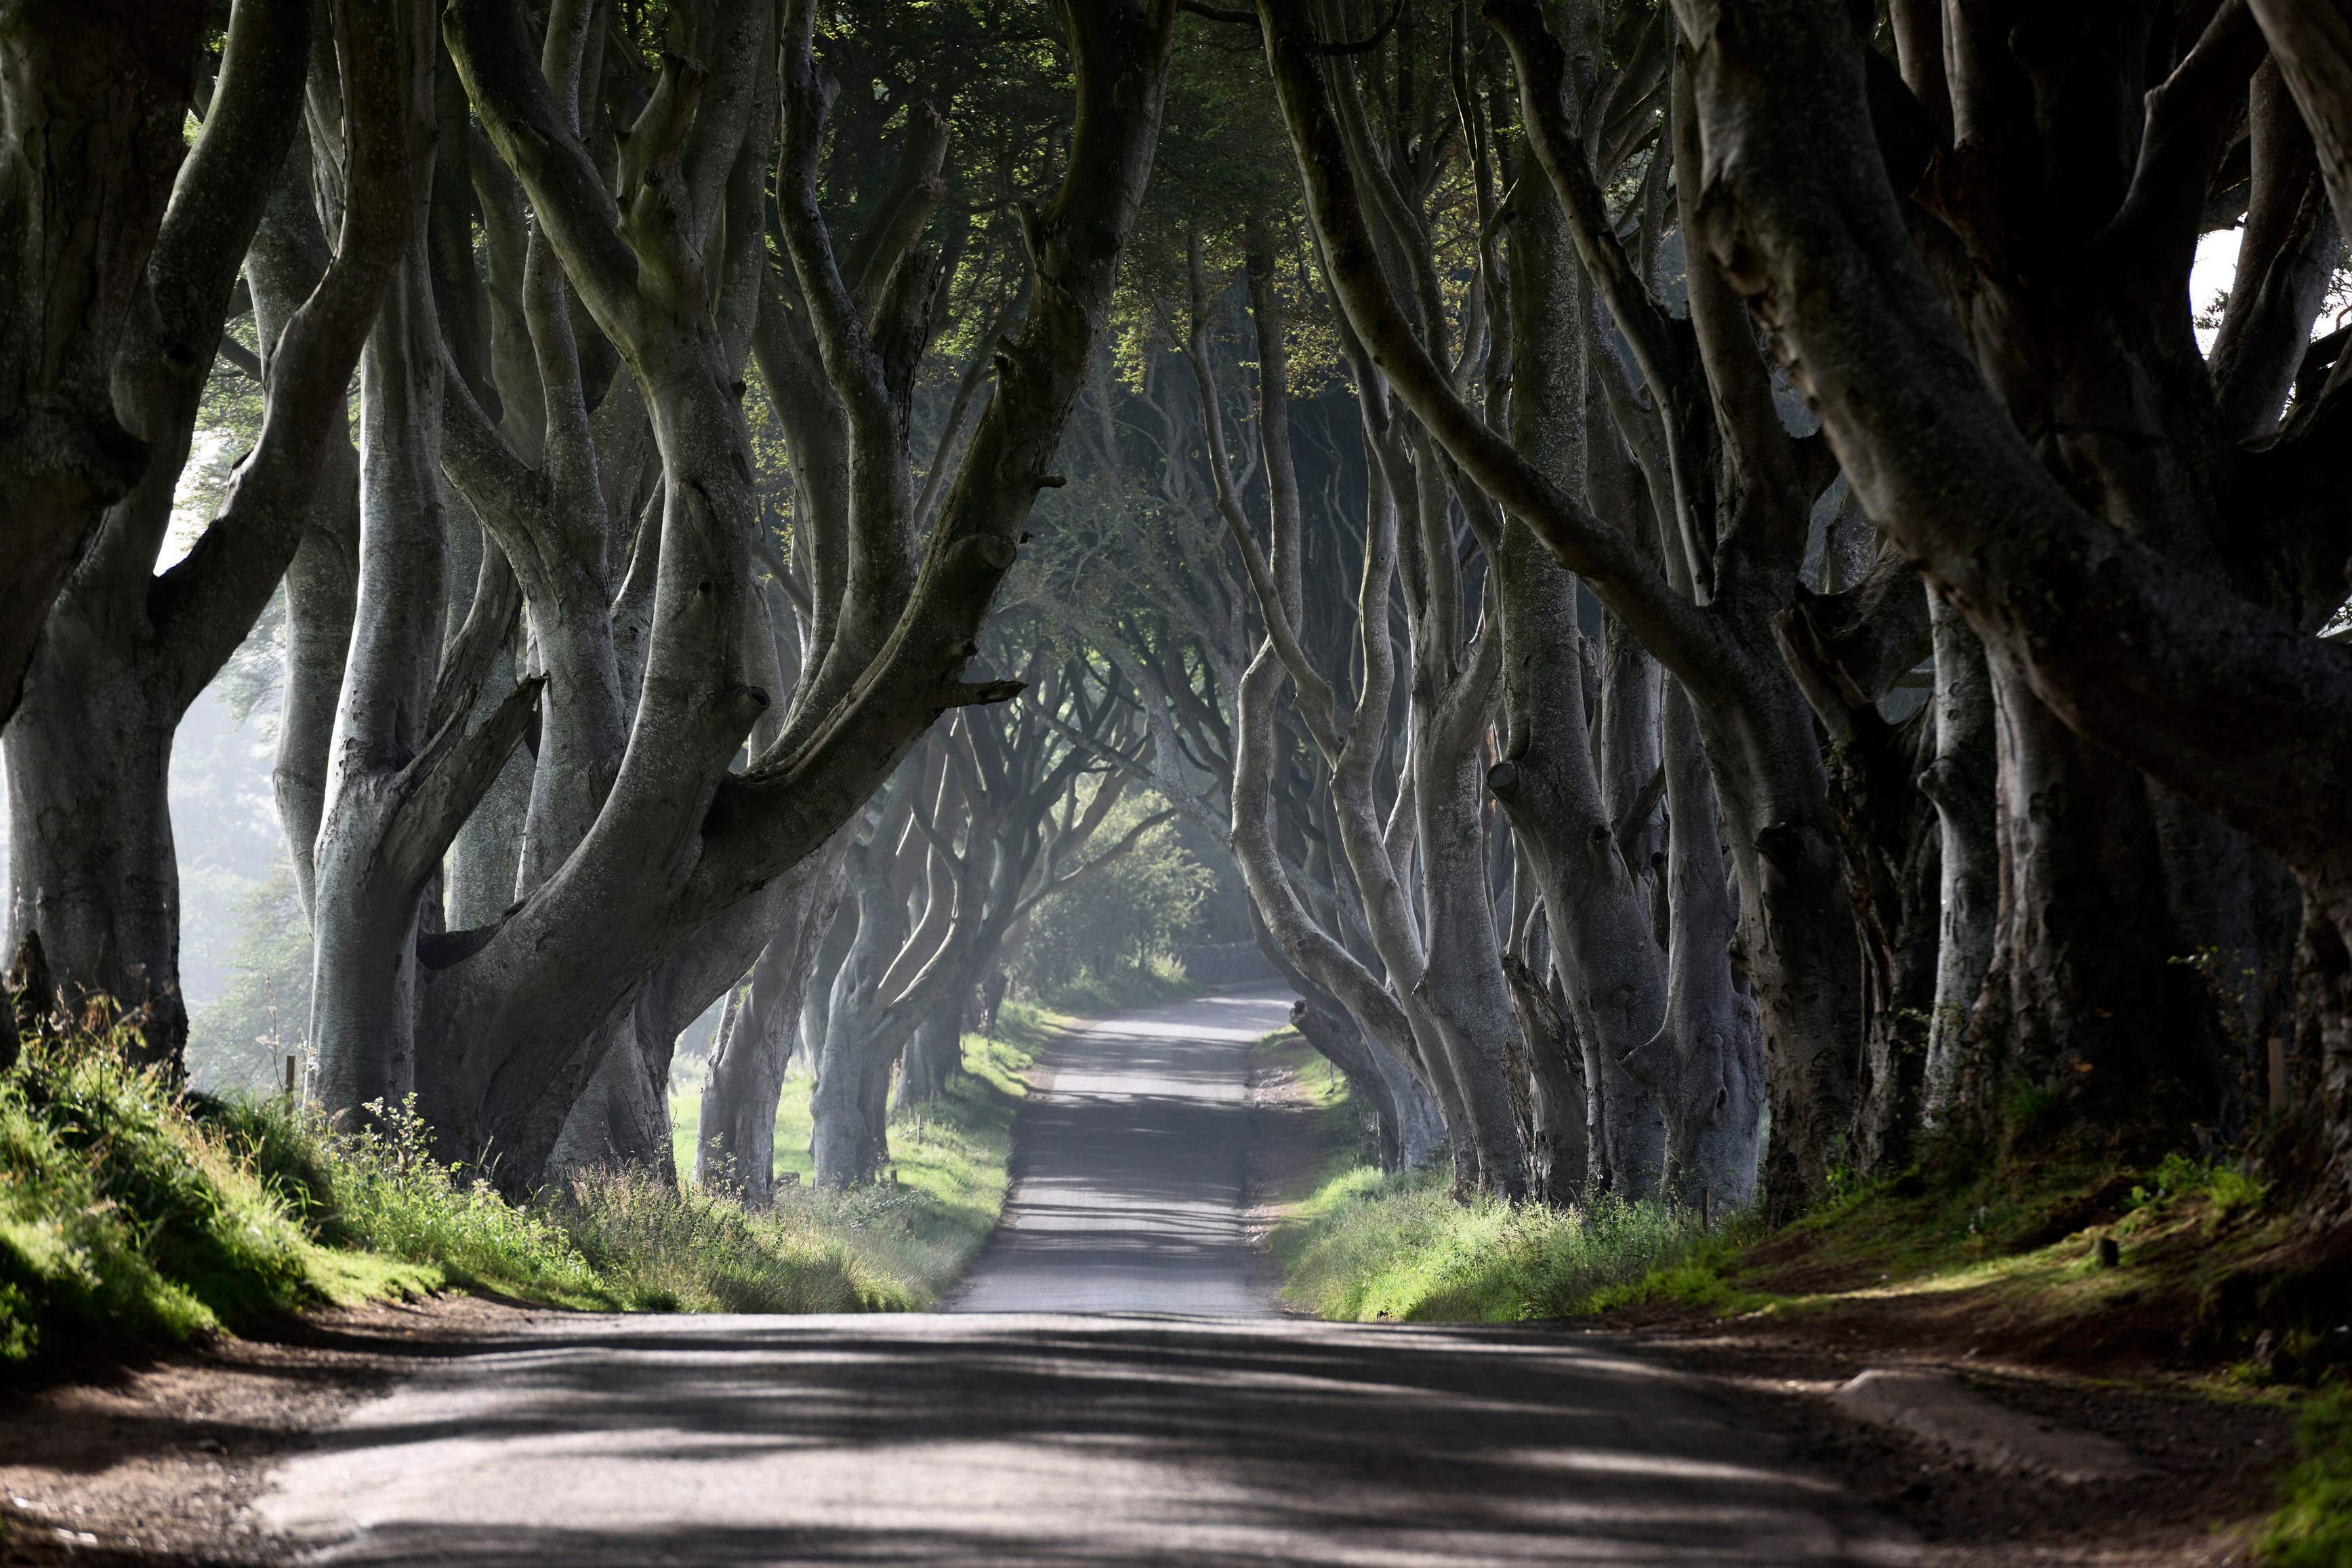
pixel 364 918
pixel 1960 782
pixel 1705 1067
pixel 123 651
pixel 737 1147
pixel 93 111
pixel 516 1009
pixel 288 259
pixel 485 859
pixel 1596 906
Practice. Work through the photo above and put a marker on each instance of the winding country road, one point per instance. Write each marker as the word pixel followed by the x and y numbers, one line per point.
pixel 1112 1385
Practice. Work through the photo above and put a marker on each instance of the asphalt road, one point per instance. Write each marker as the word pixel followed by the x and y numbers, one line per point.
pixel 1136 1403
pixel 1128 1168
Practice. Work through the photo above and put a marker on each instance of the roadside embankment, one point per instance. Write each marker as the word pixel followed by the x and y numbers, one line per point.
pixel 2165 1320
pixel 134 1217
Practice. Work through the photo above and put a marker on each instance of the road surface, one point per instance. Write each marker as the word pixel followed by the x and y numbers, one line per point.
pixel 1128 1170
pixel 1132 1410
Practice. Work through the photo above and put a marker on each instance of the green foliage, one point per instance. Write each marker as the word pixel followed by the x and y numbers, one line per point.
pixel 1356 1244
pixel 382 1189
pixel 1096 996
pixel 1141 906
pixel 1366 1247
pixel 2313 1528
pixel 2032 1109
pixel 662 1249
pixel 133 1215
pixel 2222 1183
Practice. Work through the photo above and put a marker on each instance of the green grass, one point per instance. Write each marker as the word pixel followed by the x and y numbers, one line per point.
pixel 381 1193
pixel 1357 1246
pixel 662 1249
pixel 1323 1086
pixel 134 1217
pixel 124 1222
pixel 2313 1528
pixel 1092 996
pixel 1363 1246
pixel 907 1238
pixel 2012 1247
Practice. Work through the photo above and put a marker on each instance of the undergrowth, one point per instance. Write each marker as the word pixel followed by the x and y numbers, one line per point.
pixel 2313 1528
pixel 124 1222
pixel 665 1250
pixel 907 1238
pixel 134 1216
pixel 382 1191
pixel 1365 1247
pixel 1089 995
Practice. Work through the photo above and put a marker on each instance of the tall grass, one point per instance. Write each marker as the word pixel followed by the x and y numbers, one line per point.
pixel 134 1216
pixel 382 1190
pixel 125 1222
pixel 666 1250
pixel 612 1241
pixel 1356 1246
pixel 1364 1247
pixel 907 1238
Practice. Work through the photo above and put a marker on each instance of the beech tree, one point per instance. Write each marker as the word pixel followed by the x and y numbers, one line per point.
pixel 125 650
pixel 972 834
pixel 649 873
pixel 1693 554
pixel 2152 585
pixel 92 103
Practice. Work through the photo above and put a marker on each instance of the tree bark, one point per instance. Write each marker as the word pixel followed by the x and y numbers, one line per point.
pixel 746 1076
pixel 1797 938
pixel 678 838
pixel 92 861
pixel 2215 696
pixel 93 100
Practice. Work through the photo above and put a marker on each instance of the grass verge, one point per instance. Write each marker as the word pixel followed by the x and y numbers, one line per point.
pixel 125 1223
pixel 907 1238
pixel 134 1217
pixel 1357 1246
pixel 2180 1274
pixel 1363 1246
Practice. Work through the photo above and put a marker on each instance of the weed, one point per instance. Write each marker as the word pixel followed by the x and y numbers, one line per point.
pixel 2032 1109
pixel 662 1249
pixel 124 1222
pixel 133 1215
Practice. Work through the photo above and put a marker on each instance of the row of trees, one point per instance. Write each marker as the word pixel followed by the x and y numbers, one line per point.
pixel 546 791
pixel 1690 552
pixel 1640 793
